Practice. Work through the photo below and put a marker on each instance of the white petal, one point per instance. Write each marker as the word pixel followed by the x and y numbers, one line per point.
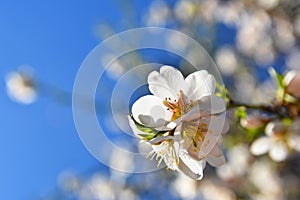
pixel 166 83
pixel 294 142
pixel 274 127
pixel 269 130
pixel 176 149
pixel 205 106
pixel 226 127
pixel 190 167
pixel 278 152
pixel 289 77
pixel 177 133
pixel 201 83
pixel 160 139
pixel 216 157
pixel 261 146
pixel 215 128
pixel 150 111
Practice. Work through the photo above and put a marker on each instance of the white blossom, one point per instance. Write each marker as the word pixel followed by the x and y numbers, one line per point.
pixel 188 114
pixel 20 88
pixel 279 140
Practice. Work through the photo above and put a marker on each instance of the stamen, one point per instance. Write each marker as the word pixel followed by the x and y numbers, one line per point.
pixel 178 106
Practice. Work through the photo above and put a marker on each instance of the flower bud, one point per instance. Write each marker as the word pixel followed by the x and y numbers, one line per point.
pixel 292 83
pixel 253 121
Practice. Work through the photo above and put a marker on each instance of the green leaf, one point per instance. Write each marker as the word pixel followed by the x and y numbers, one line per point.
pixel 277 77
pixel 241 112
pixel 222 92
pixel 149 133
pixel 287 121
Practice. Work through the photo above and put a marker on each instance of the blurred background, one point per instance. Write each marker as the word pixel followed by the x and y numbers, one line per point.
pixel 42 45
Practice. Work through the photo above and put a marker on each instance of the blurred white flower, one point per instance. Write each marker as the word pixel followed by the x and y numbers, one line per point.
pixel 69 182
pixel 212 190
pixel 122 159
pixel 265 53
pixel 206 9
pixel 184 187
pixel 264 92
pixel 285 38
pixel 188 114
pixel 121 165
pixel 292 60
pixel 279 140
pixel 127 194
pixel 245 86
pixel 253 38
pixel 158 15
pixel 237 165
pixel 175 42
pixel 264 177
pixel 185 10
pixel 226 60
pixel 269 4
pixel 114 69
pixel 98 187
pixel 230 12
pixel 20 87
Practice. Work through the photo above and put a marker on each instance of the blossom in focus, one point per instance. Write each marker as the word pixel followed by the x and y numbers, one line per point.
pixel 280 139
pixel 186 120
pixel 292 83
pixel 20 88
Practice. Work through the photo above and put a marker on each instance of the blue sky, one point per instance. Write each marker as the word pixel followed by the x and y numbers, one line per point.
pixel 39 141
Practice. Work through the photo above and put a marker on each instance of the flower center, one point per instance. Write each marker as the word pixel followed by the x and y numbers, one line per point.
pixel 178 107
pixel 279 135
pixel 165 151
pixel 196 138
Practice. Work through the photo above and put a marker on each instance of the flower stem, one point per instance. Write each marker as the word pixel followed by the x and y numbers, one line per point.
pixel 276 110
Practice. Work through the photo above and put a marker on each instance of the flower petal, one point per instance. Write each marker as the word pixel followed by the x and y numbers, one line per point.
pixel 292 82
pixel 200 83
pixel 160 139
pixel 269 130
pixel 167 82
pixel 216 157
pixel 165 151
pixel 214 126
pixel 205 106
pixel 150 111
pixel 261 146
pixel 190 167
pixel 294 142
pixel 289 77
pixel 177 133
pixel 226 127
pixel 278 152
pixel 274 127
